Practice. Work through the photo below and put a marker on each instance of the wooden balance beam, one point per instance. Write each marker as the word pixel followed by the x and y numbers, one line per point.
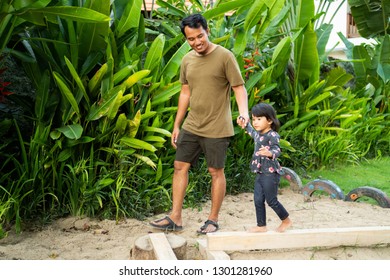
pixel 211 255
pixel 161 247
pixel 299 238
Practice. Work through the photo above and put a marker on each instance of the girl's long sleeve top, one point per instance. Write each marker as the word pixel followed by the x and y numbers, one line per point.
pixel 270 140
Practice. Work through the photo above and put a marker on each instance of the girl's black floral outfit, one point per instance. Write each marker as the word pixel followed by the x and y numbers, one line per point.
pixel 268 172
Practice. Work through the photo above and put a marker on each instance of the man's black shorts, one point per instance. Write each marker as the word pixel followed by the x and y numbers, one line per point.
pixel 190 147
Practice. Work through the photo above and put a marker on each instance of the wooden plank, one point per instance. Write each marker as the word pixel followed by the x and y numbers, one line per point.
pixel 211 255
pixel 161 247
pixel 300 238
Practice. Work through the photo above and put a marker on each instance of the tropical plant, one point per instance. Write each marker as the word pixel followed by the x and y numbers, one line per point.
pixel 372 17
pixel 106 87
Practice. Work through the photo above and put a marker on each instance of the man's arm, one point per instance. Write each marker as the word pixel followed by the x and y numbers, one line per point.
pixel 184 102
pixel 242 102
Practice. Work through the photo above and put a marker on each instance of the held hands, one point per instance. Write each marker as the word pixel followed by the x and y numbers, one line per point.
pixel 242 121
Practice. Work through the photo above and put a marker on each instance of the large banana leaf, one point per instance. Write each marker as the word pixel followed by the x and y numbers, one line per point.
pixel 80 14
pixel 272 27
pixel 338 77
pixel 372 17
pixel 254 14
pixel 130 17
pixel 172 9
pixel 171 68
pixel 363 64
pixel 307 61
pixel 323 34
pixel 384 59
pixel 154 56
pixel 9 21
pixel 275 7
pixel 281 57
pixel 91 35
pixel 305 52
pixel 305 12
pixel 225 7
pixel 268 16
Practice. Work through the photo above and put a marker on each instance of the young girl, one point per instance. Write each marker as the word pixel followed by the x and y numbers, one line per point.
pixel 265 164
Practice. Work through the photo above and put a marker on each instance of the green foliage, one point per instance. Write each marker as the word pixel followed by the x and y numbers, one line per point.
pixel 372 17
pixel 322 119
pixel 106 91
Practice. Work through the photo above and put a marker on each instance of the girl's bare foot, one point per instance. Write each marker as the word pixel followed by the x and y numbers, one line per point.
pixel 286 223
pixel 258 229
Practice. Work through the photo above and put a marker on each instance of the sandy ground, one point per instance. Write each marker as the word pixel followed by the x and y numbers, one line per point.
pixel 88 239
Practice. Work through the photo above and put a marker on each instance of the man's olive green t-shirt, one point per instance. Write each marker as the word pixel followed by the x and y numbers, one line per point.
pixel 210 79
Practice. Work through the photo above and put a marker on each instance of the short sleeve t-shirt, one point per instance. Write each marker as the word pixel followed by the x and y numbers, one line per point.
pixel 210 79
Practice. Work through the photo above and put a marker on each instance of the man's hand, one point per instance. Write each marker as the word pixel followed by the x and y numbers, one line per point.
pixel 242 121
pixel 174 136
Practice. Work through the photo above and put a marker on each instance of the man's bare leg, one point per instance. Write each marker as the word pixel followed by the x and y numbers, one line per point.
pixel 179 186
pixel 218 190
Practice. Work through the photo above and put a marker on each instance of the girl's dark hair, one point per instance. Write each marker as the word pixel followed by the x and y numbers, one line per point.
pixel 193 21
pixel 266 110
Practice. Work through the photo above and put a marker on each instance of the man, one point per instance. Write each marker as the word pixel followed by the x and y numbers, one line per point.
pixel 208 73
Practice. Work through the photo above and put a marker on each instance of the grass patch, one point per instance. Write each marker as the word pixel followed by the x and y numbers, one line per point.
pixel 373 173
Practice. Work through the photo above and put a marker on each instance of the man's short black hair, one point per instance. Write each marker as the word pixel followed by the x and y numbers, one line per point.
pixel 193 21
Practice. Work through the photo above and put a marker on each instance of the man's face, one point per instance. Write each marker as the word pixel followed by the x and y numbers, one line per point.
pixel 198 38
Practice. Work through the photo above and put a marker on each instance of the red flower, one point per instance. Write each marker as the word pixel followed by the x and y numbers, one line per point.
pixel 3 91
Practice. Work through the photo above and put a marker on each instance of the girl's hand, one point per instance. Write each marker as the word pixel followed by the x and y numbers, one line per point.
pixel 264 151
pixel 241 121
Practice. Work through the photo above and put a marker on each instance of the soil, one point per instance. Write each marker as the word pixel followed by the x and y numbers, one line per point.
pixel 77 238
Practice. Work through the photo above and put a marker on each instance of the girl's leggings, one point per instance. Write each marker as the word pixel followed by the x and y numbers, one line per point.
pixel 266 190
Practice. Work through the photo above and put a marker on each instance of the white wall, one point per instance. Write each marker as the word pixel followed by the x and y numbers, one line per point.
pixel 339 25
